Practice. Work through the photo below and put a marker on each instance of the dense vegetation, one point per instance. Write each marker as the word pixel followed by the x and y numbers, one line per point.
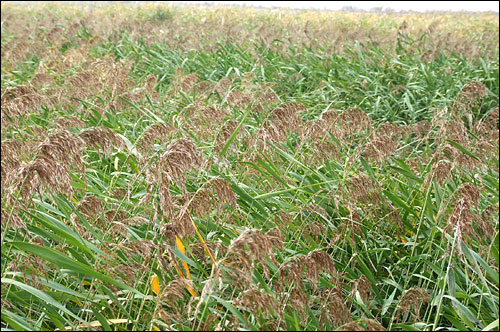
pixel 186 168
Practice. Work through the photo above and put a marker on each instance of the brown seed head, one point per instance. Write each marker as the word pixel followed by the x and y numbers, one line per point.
pixel 102 138
pixel 259 303
pixel 412 298
pixel 363 286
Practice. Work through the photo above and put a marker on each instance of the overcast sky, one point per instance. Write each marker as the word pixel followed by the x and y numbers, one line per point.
pixel 366 5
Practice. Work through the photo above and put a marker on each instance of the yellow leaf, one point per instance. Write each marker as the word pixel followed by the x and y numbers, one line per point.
pixel 191 291
pixel 182 249
pixel 155 284
pixel 201 239
pixel 98 324
pixel 116 163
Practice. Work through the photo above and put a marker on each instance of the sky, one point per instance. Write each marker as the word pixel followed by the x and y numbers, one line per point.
pixel 421 6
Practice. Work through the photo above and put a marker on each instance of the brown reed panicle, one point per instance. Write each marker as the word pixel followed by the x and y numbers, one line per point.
pixel 181 223
pixel 182 82
pixel 41 79
pixel 41 171
pixel 414 298
pixel 225 133
pixel 487 148
pixel 173 294
pixel 281 121
pixel 200 202
pixel 213 283
pixel 70 121
pixel 223 87
pixel 145 249
pixel 363 189
pixel 391 214
pixel 307 268
pixel 250 247
pixel 422 128
pixel 269 132
pixel 380 147
pixel 225 193
pixel 83 84
pixel 440 118
pixel 115 75
pixel 330 118
pixel 492 119
pixel 440 171
pixel 240 98
pixel 393 130
pixel 71 57
pixel 458 158
pixel 319 134
pixel 135 221
pixel 287 117
pixel 168 207
pixel 259 303
pixel 473 91
pixel 118 219
pixel 354 121
pixel 487 130
pixel 463 221
pixel 414 164
pixel 470 192
pixel 33 268
pixel 247 80
pixel 314 230
pixel 213 194
pixel 15 51
pixel 89 207
pixel 454 130
pixel 373 325
pixel 350 226
pixel 10 218
pixel 283 220
pixel 11 154
pixel 213 115
pixel 54 158
pixel 266 96
pixel 362 324
pixel 274 325
pixel 470 95
pixel 334 309
pixel 118 230
pixel 126 271
pixel 364 287
pixel 158 132
pixel 115 213
pixel 180 156
pixel 204 87
pixel 219 249
pixel 316 262
pixel 150 84
pixel 297 299
pixel 101 138
pixel 19 100
pixel 66 149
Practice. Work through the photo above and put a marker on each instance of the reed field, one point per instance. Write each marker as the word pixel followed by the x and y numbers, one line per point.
pixel 213 168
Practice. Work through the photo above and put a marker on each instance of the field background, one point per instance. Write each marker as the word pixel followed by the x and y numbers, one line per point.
pixel 190 168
